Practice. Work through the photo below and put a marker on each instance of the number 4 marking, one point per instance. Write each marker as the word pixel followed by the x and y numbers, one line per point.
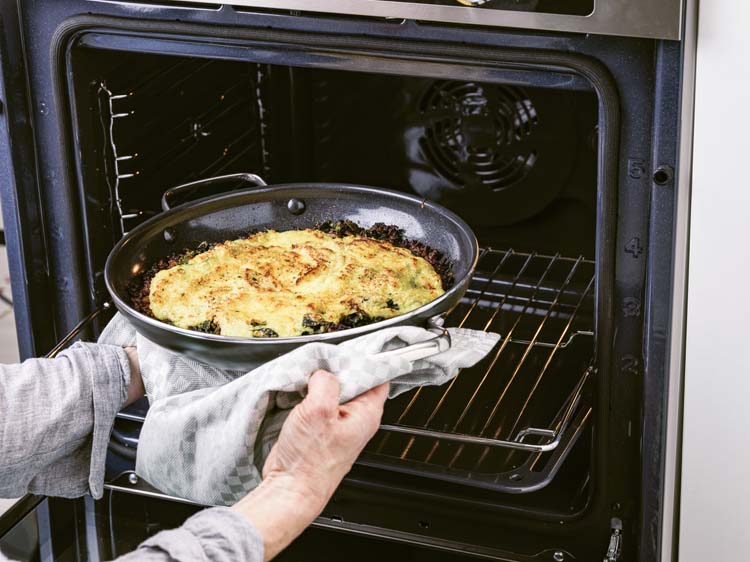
pixel 633 247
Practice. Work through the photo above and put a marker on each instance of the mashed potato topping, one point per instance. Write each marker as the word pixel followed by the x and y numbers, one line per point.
pixel 281 284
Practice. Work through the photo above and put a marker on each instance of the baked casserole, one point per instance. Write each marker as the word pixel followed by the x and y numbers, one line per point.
pixel 297 282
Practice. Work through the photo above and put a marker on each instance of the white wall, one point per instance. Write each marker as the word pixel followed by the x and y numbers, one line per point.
pixel 8 346
pixel 8 343
pixel 715 487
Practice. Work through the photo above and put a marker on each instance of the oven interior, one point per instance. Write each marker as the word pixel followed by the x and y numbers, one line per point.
pixel 517 160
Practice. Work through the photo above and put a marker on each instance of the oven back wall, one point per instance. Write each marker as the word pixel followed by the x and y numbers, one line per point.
pixel 518 163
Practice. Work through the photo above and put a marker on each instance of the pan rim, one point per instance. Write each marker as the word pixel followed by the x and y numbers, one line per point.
pixel 127 309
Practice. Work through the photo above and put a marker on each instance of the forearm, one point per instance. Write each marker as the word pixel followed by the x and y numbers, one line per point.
pixel 55 420
pixel 212 535
pixel 254 530
pixel 280 509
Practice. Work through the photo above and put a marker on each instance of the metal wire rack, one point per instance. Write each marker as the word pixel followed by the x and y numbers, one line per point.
pixel 509 422
pixel 206 126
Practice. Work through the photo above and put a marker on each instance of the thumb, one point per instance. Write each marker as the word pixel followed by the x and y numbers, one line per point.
pixel 373 399
pixel 323 390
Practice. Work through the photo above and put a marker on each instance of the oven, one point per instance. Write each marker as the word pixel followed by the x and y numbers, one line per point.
pixel 552 128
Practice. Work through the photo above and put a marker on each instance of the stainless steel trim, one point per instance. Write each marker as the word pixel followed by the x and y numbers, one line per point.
pixel 253 179
pixel 130 417
pixel 486 441
pixel 133 489
pixel 420 350
pixel 472 2
pixel 673 436
pixel 657 19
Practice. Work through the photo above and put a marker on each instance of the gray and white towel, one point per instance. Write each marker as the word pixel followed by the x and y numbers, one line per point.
pixel 208 431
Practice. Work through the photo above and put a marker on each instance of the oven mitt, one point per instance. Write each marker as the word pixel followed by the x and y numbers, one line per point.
pixel 208 431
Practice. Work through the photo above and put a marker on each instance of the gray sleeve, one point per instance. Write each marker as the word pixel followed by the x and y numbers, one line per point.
pixel 213 535
pixel 55 419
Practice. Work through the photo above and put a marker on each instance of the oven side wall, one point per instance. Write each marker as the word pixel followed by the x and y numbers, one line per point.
pixel 23 215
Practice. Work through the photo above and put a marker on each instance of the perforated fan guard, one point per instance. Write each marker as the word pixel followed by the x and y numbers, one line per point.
pixel 485 147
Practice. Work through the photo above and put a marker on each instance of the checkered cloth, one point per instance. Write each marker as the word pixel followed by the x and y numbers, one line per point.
pixel 208 431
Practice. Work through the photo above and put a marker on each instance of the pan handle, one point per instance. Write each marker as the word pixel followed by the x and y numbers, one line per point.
pixel 440 343
pixel 252 179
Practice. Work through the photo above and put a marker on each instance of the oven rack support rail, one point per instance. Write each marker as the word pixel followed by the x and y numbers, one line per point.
pixel 126 165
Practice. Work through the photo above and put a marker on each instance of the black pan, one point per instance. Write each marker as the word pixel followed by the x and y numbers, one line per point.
pixel 282 207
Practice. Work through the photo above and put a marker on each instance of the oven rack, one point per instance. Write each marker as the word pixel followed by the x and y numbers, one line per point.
pixel 530 298
pixel 508 423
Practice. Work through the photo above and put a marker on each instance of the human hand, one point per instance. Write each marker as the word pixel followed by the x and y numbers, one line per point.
pixel 320 440
pixel 135 388
pixel 318 444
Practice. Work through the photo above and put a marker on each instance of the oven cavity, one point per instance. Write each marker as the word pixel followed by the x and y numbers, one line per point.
pixel 511 155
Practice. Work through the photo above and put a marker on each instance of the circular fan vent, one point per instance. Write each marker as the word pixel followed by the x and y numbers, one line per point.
pixel 478 134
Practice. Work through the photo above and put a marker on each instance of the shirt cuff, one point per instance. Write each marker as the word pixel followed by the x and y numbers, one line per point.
pixel 217 535
pixel 110 378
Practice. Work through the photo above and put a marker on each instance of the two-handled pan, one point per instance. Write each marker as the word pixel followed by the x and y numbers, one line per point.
pixel 284 207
